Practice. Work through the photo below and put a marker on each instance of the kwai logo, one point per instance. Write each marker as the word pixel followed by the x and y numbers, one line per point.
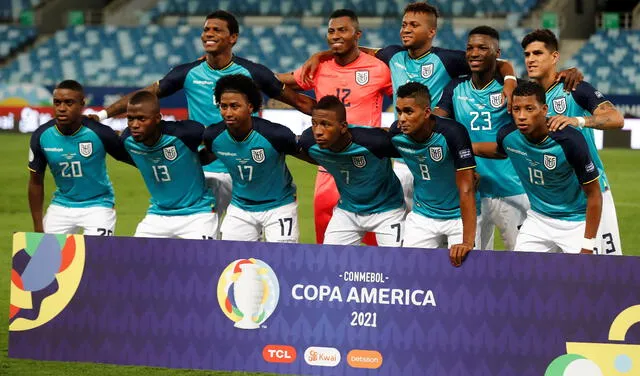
pixel 322 356
pixel 248 292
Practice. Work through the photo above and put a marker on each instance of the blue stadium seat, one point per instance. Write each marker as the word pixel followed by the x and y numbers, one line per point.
pixel 14 37
pixel 106 55
pixel 609 60
pixel 297 8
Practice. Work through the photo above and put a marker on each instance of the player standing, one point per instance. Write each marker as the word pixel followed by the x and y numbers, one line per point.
pixel 438 153
pixel 584 108
pixel 253 150
pixel 74 148
pixel 557 173
pixel 476 101
pixel 166 153
pixel 360 81
pixel 359 160
pixel 198 80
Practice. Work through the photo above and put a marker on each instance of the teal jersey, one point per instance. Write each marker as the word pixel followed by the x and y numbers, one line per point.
pixel 261 178
pixel 171 169
pixel 434 164
pixel 483 113
pixel 435 69
pixel 198 80
pixel 580 102
pixel 362 171
pixel 552 171
pixel 77 162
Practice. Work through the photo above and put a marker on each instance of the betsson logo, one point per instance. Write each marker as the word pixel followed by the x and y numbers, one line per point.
pixel 364 359
pixel 322 356
pixel 279 354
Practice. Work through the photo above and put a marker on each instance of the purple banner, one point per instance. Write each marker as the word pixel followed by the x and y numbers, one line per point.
pixel 322 310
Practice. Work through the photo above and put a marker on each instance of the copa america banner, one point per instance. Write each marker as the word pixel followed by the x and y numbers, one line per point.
pixel 322 310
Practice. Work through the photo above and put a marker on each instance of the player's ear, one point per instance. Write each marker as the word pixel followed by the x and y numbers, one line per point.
pixel 233 38
pixel 498 51
pixel 556 56
pixel 545 108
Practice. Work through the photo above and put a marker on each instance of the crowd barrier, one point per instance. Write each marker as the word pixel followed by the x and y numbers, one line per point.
pixel 322 310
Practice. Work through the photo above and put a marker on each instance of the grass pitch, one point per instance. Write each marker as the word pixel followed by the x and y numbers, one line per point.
pixel 132 201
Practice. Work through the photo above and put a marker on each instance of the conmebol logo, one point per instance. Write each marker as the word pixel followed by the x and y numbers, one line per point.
pixel 322 356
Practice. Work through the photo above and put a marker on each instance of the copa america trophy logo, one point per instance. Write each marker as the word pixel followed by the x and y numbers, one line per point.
pixel 248 292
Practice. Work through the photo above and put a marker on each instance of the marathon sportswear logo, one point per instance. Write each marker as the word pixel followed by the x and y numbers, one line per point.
pixel 560 105
pixel 362 77
pixel 359 161
pixel 85 148
pixel 258 155
pixel 495 100
pixel 436 153
pixel 31 155
pixel 427 70
pixel 549 161
pixel 322 356
pixel 53 149
pixel 590 167
pixel 170 153
pixel 598 94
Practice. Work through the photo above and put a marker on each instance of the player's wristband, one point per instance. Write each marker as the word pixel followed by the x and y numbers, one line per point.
pixel 102 115
pixel 581 121
pixel 589 244
pixel 508 77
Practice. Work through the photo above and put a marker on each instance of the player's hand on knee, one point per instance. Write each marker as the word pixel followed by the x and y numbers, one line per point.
pixel 458 253
pixel 586 251
pixel 559 122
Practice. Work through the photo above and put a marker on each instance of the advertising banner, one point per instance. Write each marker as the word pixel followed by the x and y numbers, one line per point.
pixel 321 310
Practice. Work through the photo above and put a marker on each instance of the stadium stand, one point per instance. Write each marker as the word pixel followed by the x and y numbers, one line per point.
pixel 379 8
pixel 118 56
pixel 610 61
pixel 11 9
pixel 13 38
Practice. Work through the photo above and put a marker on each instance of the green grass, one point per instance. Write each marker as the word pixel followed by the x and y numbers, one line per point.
pixel 132 200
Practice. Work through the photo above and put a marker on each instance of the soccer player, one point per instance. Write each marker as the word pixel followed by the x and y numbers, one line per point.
pixel 253 150
pixel 418 60
pixel 74 148
pixel 359 159
pixel 476 101
pixel 439 155
pixel 166 153
pixel 557 172
pixel 360 81
pixel 585 109
pixel 198 80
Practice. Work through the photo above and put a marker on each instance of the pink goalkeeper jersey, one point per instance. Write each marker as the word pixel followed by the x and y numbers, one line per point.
pixel 360 85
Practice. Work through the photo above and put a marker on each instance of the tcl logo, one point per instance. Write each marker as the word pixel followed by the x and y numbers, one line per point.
pixel 279 354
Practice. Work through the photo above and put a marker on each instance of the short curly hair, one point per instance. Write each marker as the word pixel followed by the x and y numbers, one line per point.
pixel 238 83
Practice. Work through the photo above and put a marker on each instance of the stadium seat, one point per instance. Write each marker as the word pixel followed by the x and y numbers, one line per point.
pixel 14 37
pixel 608 53
pixel 379 8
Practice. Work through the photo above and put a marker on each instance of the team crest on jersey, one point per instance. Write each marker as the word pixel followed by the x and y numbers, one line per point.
pixel 85 148
pixel 170 153
pixel 257 155
pixel 496 100
pixel 427 70
pixel 560 105
pixel 362 77
pixel 435 152
pixel 549 161
pixel 359 161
